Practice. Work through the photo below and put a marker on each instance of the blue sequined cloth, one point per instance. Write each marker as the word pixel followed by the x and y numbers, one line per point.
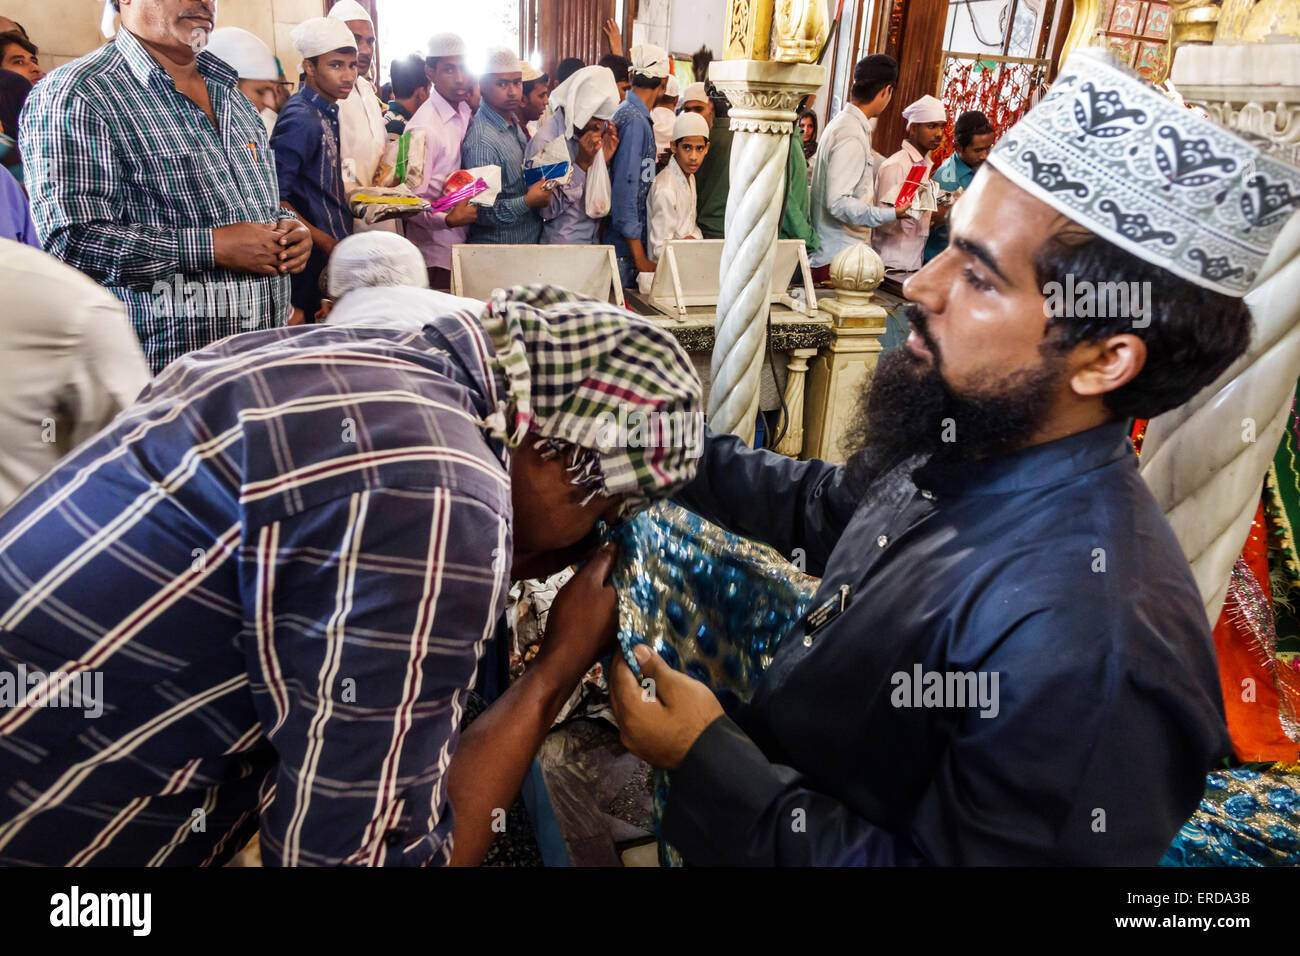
pixel 1246 818
pixel 715 606
pixel 712 604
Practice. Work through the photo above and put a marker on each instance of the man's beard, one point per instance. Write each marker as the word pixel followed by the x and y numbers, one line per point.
pixel 909 414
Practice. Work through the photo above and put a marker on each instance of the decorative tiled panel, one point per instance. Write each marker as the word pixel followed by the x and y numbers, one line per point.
pixel 1157 22
pixel 1150 59
pixel 1126 16
pixel 1124 47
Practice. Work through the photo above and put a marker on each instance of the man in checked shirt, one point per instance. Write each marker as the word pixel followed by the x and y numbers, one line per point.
pixel 149 171
pixel 284 562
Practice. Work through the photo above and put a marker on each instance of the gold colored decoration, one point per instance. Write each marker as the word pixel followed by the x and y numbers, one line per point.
pixel 1083 28
pixel 1193 21
pixel 1258 21
pixel 749 29
pixel 800 30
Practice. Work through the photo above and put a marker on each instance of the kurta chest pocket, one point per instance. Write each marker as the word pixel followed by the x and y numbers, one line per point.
pixel 199 187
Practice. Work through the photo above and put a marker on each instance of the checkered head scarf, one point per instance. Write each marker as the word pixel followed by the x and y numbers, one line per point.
pixel 610 391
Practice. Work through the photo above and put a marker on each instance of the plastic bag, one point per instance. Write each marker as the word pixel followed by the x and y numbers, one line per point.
pixel 403 161
pixel 596 193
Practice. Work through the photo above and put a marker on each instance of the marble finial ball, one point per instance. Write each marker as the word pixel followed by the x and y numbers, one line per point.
pixel 857 269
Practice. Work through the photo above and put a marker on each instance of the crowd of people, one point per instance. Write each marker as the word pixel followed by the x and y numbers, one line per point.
pixel 286 551
pixel 640 170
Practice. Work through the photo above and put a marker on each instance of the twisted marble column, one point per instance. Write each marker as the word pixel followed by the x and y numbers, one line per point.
pixel 763 97
pixel 1205 461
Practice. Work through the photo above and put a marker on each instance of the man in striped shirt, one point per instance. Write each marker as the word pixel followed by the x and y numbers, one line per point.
pixel 257 601
pixel 149 171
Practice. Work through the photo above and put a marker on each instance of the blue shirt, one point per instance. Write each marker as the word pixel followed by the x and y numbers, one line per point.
pixel 632 173
pixel 306 146
pixel 289 557
pixel 952 174
pixel 15 216
pixel 1052 568
pixel 492 141
pixel 564 219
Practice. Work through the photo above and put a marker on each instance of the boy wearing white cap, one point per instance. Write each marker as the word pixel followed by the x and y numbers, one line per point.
pixel 361 114
pixel 495 138
pixel 634 164
pixel 901 243
pixel 252 60
pixel 444 116
pixel 306 146
pixel 671 208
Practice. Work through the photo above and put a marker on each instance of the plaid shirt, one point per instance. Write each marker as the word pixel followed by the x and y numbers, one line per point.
pixel 128 178
pixel 284 560
pixel 491 141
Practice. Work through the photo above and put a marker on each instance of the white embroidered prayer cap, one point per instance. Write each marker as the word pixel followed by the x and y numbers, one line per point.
pixel 369 259
pixel 673 88
pixel 689 124
pixel 649 60
pixel 927 109
pixel 320 35
pixel 350 10
pixel 251 58
pixel 502 60
pixel 1112 153
pixel 445 44
pixel 528 71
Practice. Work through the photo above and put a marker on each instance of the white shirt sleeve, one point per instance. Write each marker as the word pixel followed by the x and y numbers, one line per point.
pixel 844 168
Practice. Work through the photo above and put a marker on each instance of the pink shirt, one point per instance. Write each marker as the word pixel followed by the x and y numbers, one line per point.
pixel 444 128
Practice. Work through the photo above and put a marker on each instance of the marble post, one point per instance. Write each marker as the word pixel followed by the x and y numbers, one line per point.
pixel 764 96
pixel 842 371
pixel 791 442
pixel 1205 460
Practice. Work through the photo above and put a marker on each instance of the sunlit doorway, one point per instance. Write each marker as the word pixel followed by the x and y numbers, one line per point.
pixel 406 25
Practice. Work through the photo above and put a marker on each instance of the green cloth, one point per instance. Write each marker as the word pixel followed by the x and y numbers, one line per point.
pixel 713 182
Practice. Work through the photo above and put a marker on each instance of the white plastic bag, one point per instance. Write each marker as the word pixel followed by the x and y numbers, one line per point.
pixel 596 193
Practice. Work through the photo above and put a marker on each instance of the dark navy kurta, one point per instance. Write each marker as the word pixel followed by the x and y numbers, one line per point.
pixel 1052 567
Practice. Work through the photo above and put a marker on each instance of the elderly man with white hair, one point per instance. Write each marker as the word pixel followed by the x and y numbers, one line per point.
pixel 496 139
pixel 378 280
pixel 901 243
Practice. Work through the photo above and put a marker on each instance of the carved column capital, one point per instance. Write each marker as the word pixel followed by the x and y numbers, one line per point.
pixel 765 94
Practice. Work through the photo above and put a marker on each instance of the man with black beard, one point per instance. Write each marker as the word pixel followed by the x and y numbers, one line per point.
pixel 1007 660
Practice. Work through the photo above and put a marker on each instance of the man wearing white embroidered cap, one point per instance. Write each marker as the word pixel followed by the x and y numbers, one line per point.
pixel 671 206
pixel 444 116
pixel 901 243
pixel 252 60
pixel 994 470
pixel 496 139
pixel 633 169
pixel 361 115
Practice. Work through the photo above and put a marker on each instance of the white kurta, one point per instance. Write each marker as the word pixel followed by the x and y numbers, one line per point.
pixel 362 134
pixel 670 209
